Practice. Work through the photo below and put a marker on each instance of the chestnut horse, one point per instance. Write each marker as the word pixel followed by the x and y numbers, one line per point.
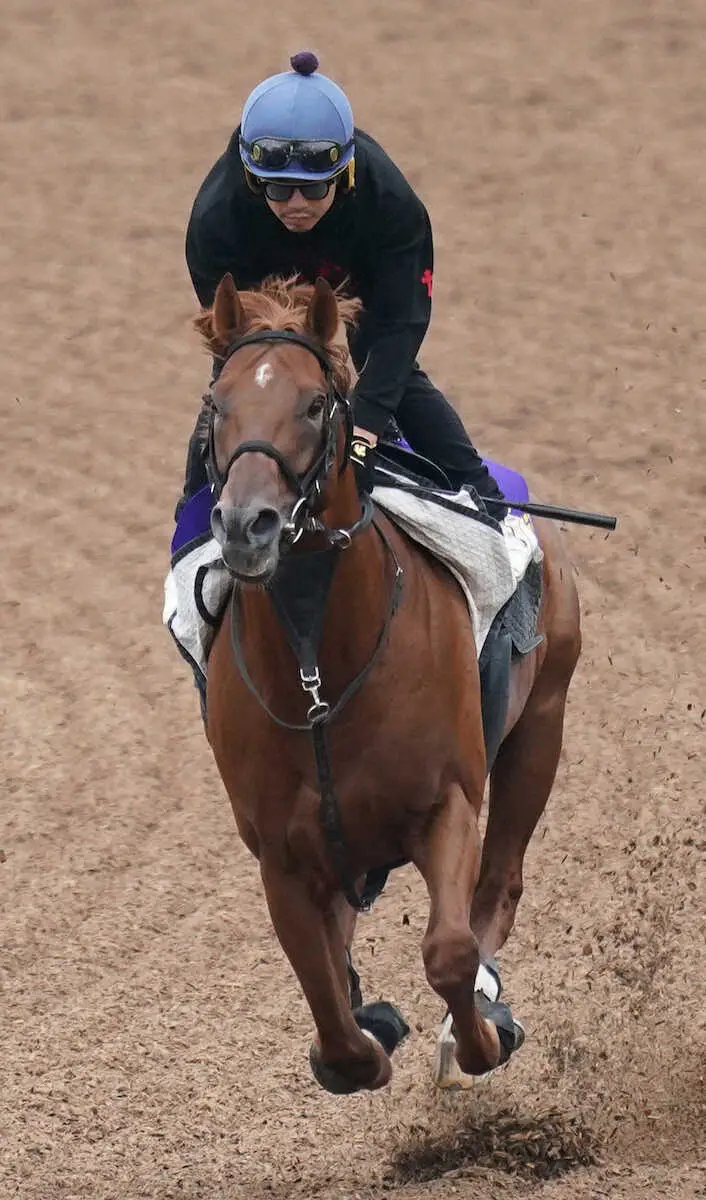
pixel 343 700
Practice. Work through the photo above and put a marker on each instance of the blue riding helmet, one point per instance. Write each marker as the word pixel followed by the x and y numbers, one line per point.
pixel 297 125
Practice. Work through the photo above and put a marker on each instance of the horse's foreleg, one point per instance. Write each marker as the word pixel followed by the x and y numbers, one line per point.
pixel 448 857
pixel 347 918
pixel 344 1059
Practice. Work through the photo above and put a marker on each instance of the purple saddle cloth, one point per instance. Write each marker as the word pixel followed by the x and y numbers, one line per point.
pixel 194 522
pixel 512 485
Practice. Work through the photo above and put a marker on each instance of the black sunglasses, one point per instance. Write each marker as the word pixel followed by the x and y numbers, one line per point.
pixel 274 154
pixel 281 192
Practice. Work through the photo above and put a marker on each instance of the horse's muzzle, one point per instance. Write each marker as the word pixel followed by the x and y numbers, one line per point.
pixel 249 539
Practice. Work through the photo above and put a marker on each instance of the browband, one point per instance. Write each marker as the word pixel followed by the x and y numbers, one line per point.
pixel 277 335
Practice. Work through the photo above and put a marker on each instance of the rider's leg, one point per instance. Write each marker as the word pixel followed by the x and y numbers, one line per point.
pixel 195 474
pixel 195 479
pixel 433 428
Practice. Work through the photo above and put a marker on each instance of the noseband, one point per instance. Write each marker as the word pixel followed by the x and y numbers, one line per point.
pixel 308 486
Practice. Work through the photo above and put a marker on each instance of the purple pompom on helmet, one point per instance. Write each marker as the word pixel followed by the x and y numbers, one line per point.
pixel 305 62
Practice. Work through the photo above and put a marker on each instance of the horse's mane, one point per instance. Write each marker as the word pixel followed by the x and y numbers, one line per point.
pixel 283 304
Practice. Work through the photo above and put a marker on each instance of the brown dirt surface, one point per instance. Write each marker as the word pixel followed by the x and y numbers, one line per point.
pixel 153 1038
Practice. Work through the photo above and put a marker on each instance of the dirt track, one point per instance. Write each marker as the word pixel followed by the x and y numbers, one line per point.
pixel 153 1041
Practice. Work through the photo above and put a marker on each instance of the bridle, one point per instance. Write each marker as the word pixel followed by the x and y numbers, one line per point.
pixel 308 486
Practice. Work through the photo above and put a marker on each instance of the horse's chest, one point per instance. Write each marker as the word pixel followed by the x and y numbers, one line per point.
pixel 379 805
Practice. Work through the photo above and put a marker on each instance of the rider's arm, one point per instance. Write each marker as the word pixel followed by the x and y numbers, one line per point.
pixel 207 257
pixel 397 311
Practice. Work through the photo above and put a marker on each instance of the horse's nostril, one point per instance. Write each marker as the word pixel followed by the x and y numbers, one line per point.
pixel 263 527
pixel 217 523
pixel 230 526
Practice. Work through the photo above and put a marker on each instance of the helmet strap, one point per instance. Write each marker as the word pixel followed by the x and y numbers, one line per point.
pixel 346 180
pixel 251 180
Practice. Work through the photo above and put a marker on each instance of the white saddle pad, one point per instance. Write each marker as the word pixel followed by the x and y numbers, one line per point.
pixel 487 564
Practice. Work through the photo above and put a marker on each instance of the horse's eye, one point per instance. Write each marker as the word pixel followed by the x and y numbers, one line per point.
pixel 316 408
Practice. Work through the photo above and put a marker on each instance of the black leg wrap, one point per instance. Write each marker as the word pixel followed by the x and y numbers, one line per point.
pixel 354 990
pixel 385 1022
pixel 511 1034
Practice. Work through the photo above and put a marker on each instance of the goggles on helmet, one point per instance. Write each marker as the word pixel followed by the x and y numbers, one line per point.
pixel 275 154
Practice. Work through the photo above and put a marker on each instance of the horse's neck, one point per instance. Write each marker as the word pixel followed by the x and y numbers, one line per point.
pixel 357 604
pixel 359 586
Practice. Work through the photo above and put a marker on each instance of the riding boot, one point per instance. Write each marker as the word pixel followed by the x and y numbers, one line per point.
pixel 433 428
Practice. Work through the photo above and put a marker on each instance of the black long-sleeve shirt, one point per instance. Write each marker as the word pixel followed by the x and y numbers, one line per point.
pixel 377 237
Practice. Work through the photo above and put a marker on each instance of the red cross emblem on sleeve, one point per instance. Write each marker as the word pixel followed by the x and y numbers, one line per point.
pixel 428 281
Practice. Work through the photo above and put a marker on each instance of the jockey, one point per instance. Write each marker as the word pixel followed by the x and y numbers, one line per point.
pixel 299 190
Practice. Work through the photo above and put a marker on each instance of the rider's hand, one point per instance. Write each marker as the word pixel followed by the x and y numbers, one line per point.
pixel 363 459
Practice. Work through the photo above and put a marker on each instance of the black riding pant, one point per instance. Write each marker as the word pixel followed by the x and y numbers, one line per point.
pixel 433 428
pixel 427 420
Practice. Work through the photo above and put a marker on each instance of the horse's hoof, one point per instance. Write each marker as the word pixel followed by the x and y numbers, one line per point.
pixel 448 1073
pixel 330 1080
pixel 342 1085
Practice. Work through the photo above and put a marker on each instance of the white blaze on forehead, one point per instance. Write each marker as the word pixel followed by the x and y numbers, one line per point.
pixel 264 374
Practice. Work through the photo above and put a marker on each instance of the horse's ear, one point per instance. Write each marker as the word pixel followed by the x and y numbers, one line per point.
pixel 228 316
pixel 322 317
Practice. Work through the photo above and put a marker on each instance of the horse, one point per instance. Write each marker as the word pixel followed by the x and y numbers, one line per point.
pixel 343 696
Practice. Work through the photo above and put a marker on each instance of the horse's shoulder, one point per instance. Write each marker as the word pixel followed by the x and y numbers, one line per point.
pixel 424 574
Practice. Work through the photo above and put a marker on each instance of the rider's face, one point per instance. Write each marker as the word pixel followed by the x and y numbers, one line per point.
pixel 298 214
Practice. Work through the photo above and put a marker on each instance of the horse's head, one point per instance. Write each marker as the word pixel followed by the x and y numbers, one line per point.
pixel 279 422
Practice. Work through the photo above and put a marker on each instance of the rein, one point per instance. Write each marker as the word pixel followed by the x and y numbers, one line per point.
pixel 302 624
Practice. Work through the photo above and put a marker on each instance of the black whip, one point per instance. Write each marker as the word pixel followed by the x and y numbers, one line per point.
pixel 556 513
